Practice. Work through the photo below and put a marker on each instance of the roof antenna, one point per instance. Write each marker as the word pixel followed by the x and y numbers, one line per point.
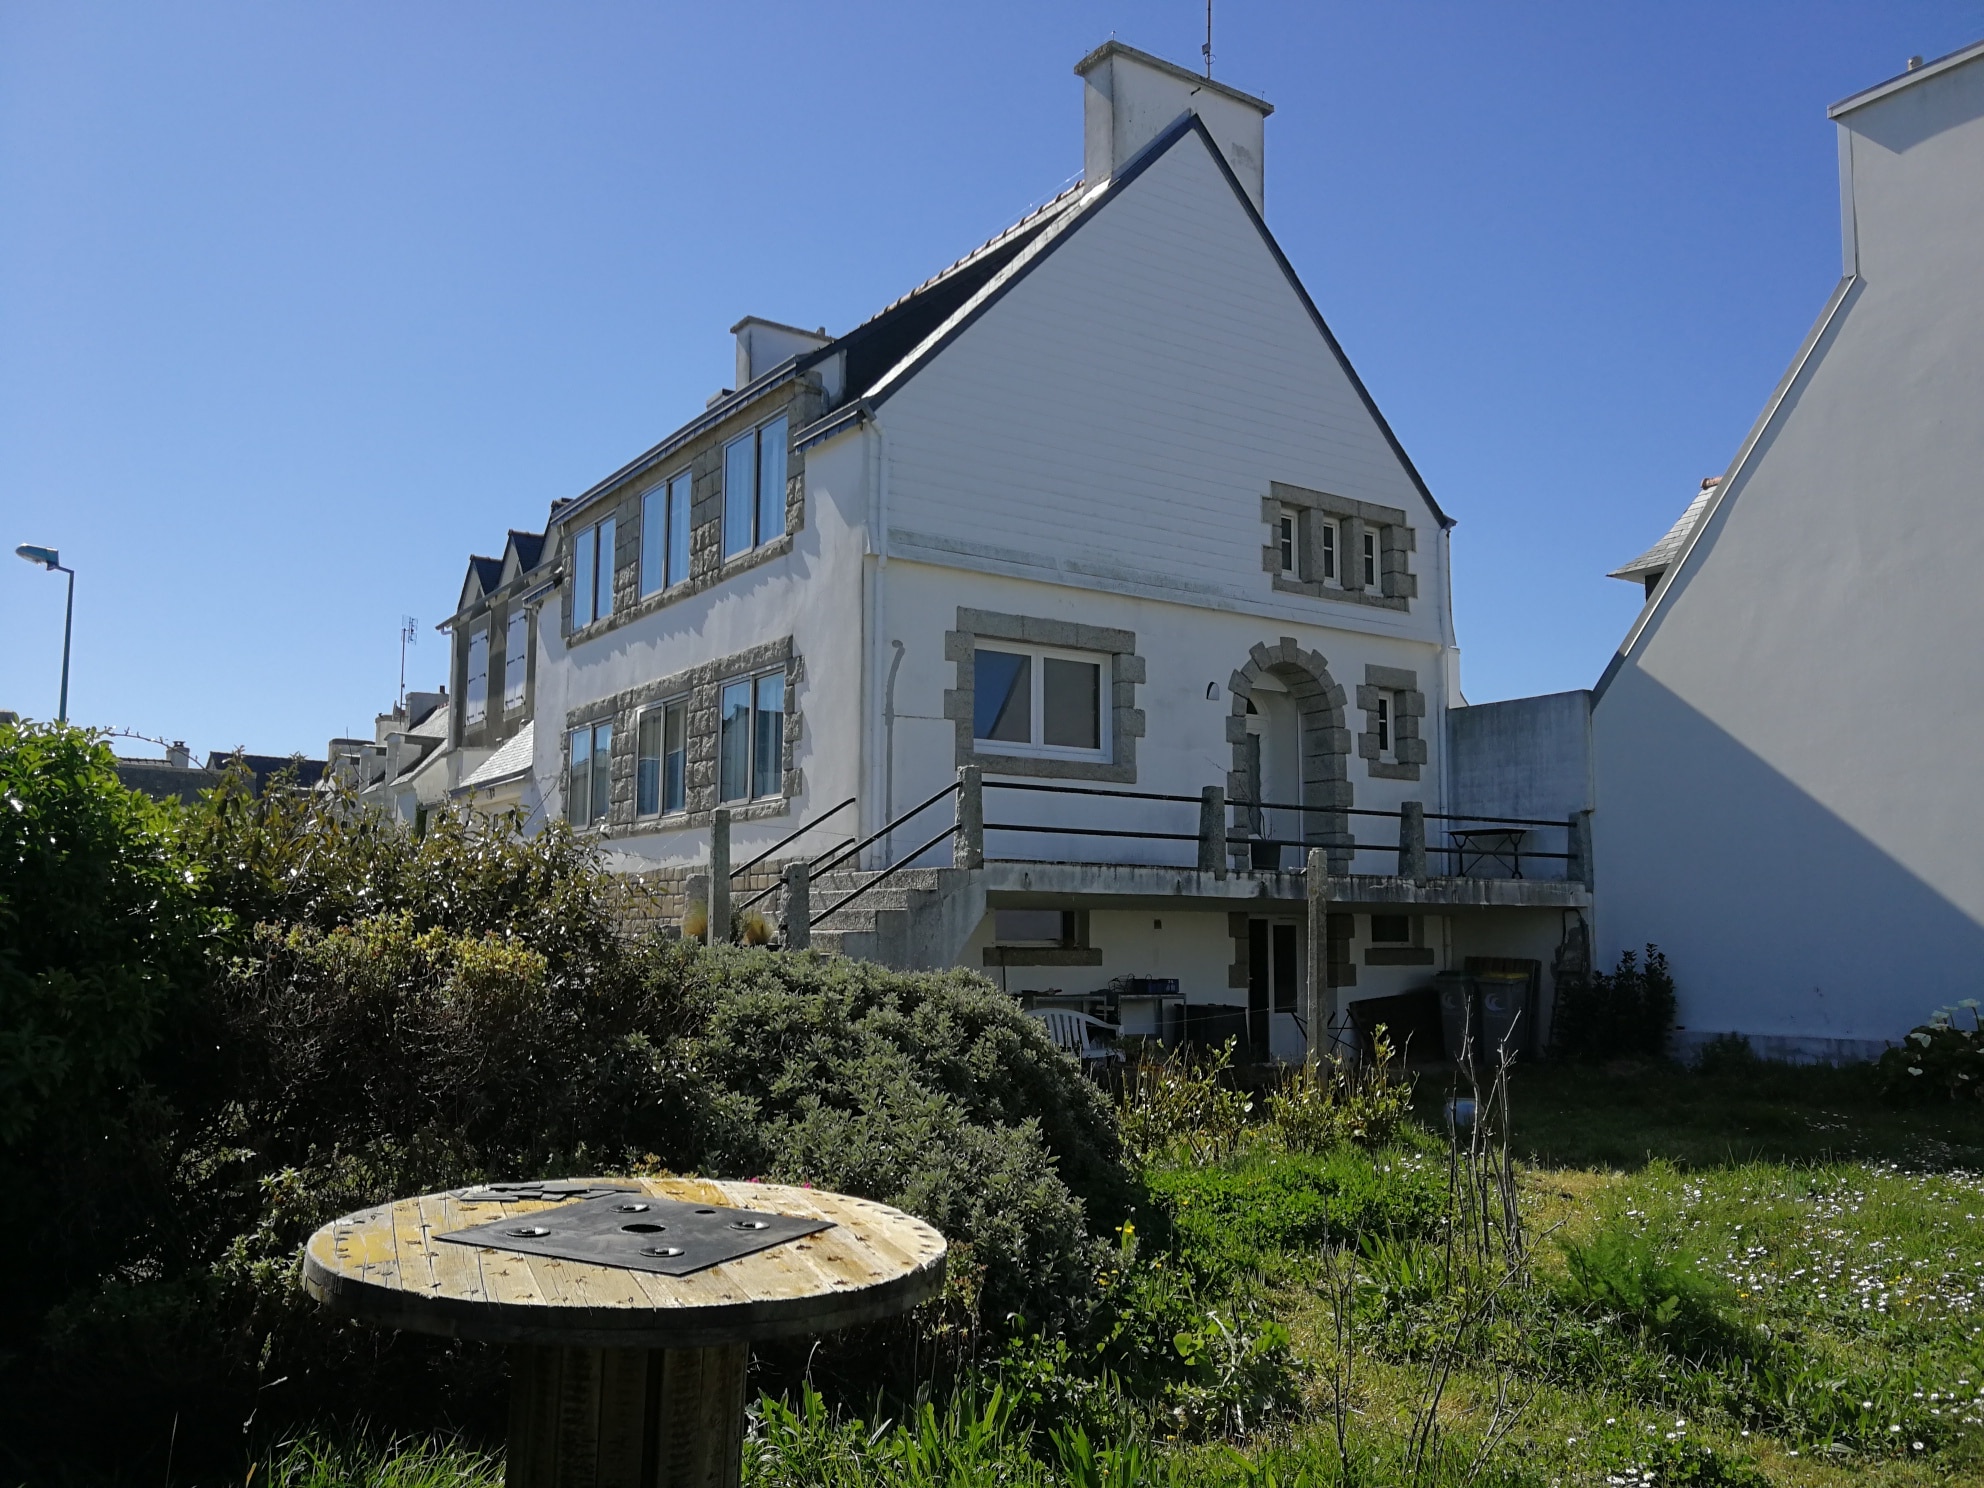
pixel 409 636
pixel 1207 48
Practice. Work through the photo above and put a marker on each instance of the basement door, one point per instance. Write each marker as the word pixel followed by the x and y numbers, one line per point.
pixel 1274 980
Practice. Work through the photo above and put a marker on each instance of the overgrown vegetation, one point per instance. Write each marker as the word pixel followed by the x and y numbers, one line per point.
pixel 1623 1014
pixel 279 1010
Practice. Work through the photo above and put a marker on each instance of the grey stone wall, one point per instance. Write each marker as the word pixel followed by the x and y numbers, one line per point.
pixel 1408 740
pixel 700 687
pixel 1126 674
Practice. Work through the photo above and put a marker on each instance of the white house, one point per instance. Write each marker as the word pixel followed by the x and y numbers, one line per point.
pixel 1785 749
pixel 1101 517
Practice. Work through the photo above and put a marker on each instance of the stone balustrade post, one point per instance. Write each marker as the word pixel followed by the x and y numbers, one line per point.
pixel 1412 841
pixel 798 905
pixel 719 928
pixel 1212 831
pixel 970 849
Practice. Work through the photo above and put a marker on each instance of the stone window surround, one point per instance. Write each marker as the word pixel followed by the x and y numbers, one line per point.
pixel 1408 745
pixel 701 685
pixel 1396 539
pixel 707 565
pixel 1126 673
pixel 1325 747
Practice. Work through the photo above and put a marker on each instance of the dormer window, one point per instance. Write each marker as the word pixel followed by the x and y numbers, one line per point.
pixel 754 488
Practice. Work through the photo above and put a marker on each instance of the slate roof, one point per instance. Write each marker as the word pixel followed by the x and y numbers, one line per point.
pixel 529 546
pixel 262 766
pixel 1660 557
pixel 511 759
pixel 488 571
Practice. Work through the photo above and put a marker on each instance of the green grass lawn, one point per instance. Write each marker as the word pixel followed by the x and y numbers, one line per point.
pixel 1763 1276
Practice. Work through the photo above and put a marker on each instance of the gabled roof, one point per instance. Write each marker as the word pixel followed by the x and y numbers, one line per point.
pixel 484 574
pixel 523 550
pixel 891 346
pixel 1075 208
pixel 1660 557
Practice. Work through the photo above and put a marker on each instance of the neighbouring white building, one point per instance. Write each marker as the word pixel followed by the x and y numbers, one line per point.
pixel 1101 517
pixel 1784 750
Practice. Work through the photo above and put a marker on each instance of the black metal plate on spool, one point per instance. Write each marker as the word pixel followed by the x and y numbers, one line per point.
pixel 638 1232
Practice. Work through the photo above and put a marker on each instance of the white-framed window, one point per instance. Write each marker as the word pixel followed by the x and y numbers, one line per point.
pixel 1381 724
pixel 665 535
pixel 590 764
pixel 750 753
pixel 592 573
pixel 516 658
pixel 1037 700
pixel 1287 533
pixel 475 687
pixel 1327 534
pixel 754 488
pixel 661 756
pixel 1374 573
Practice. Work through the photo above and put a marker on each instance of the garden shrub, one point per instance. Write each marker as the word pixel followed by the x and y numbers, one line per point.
pixel 1626 1013
pixel 1938 1061
pixel 285 1008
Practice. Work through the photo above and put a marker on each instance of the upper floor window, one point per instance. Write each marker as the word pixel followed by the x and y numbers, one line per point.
pixel 1287 535
pixel 661 775
pixel 751 738
pixel 665 535
pixel 1038 701
pixel 754 488
pixel 516 659
pixel 1326 544
pixel 475 687
pixel 592 573
pixel 590 756
pixel 1373 563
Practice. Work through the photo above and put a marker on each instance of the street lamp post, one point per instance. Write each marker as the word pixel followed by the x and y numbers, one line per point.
pixel 51 560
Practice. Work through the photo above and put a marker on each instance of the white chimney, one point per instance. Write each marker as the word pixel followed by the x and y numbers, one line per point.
pixel 1131 97
pixel 763 344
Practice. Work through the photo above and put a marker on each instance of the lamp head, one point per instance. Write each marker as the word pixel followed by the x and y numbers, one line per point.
pixel 48 558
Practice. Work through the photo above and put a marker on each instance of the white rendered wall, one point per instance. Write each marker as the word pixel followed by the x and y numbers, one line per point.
pixel 1787 760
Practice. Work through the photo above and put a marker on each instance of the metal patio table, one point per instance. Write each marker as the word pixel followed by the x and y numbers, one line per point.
pixel 622 1374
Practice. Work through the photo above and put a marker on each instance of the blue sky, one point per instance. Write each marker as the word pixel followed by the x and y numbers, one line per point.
pixel 301 303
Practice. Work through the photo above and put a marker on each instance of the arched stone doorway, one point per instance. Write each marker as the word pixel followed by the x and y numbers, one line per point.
pixel 1287 730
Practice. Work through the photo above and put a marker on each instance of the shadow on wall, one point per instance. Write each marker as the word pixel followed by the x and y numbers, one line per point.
pixel 1782 921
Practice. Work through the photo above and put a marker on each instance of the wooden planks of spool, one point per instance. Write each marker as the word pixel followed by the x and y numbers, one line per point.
pixel 623 1375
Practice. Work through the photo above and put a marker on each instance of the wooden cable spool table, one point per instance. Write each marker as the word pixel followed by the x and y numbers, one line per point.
pixel 625 1376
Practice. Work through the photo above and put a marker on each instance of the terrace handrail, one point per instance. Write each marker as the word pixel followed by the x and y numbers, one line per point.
pixel 900 863
pixel 795 834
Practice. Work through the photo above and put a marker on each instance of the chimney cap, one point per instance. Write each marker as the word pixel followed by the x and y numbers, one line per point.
pixel 1914 62
pixel 1114 48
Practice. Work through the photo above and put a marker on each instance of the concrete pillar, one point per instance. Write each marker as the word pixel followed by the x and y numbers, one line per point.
pixel 1318 997
pixel 1212 831
pixel 1579 868
pixel 719 931
pixel 798 905
pixel 969 851
pixel 1412 841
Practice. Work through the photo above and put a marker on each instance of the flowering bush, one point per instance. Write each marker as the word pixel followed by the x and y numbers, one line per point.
pixel 1938 1061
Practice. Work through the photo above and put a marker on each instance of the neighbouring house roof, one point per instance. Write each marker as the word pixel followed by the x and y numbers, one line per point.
pixel 511 761
pixel 263 766
pixel 167 782
pixel 1657 559
pixel 1919 73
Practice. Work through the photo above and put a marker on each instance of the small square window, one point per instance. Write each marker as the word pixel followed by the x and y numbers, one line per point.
pixel 1391 929
pixel 1033 927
